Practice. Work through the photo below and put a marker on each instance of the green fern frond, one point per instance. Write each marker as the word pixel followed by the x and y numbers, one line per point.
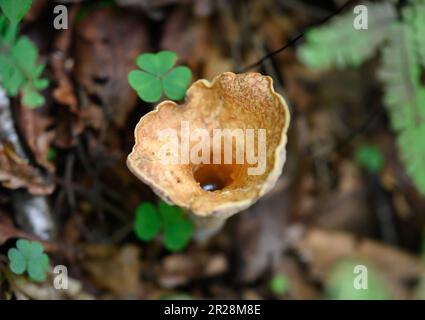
pixel 340 44
pixel 405 98
pixel 415 15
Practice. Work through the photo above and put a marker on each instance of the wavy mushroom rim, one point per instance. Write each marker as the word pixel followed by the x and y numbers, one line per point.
pixel 230 208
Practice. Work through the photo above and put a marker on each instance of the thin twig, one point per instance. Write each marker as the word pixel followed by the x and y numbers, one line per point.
pixel 361 128
pixel 294 40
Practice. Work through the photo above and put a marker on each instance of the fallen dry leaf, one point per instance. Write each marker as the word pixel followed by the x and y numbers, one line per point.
pixel 107 44
pixel 8 230
pixel 24 289
pixel 34 125
pixel 16 172
pixel 179 269
pixel 115 269
pixel 260 233
pixel 322 250
pixel 62 65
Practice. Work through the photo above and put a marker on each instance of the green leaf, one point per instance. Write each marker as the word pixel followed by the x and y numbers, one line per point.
pixel 37 267
pixel 415 15
pixel 370 158
pixel 169 214
pixel 340 283
pixel 279 285
pixel 38 70
pixel 36 249
pixel 178 234
pixel 404 97
pixel 10 34
pixel 5 67
pixel 157 64
pixel 31 98
pixel 11 76
pixel 158 75
pixel 13 80
pixel 25 54
pixel 29 257
pixel 148 87
pixel 15 10
pixel 176 296
pixel 19 71
pixel 24 246
pixel 340 44
pixel 18 263
pixel 175 82
pixel 147 223
pixel 41 84
pixel 3 24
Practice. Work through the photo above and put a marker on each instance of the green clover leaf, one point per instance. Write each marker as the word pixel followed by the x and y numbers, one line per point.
pixel 25 53
pixel 15 10
pixel 169 214
pixel 31 98
pixel 157 76
pixel 18 264
pixel 177 228
pixel 175 82
pixel 178 235
pixel 29 256
pixel 24 246
pixel 148 87
pixel 37 267
pixel 157 64
pixel 147 223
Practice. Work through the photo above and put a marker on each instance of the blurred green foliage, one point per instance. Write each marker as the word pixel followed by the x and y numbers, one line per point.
pixel 150 220
pixel 370 158
pixel 279 284
pixel 52 154
pixel 87 7
pixel 402 46
pixel 340 283
pixel 19 70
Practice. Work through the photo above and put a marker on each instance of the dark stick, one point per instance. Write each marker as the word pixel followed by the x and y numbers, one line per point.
pixel 294 40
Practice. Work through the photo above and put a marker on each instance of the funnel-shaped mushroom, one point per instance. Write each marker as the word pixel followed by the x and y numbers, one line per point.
pixel 219 152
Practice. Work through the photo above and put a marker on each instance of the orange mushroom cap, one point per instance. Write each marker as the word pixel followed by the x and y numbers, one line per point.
pixel 231 101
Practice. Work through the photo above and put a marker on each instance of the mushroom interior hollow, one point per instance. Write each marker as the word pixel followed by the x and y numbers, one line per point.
pixel 214 177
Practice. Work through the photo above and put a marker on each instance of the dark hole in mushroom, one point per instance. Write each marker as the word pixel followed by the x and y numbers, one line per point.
pixel 213 177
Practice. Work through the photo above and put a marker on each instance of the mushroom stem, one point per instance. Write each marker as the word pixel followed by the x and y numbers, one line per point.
pixel 206 227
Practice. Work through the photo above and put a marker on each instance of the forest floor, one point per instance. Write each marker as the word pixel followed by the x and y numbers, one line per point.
pixel 325 210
